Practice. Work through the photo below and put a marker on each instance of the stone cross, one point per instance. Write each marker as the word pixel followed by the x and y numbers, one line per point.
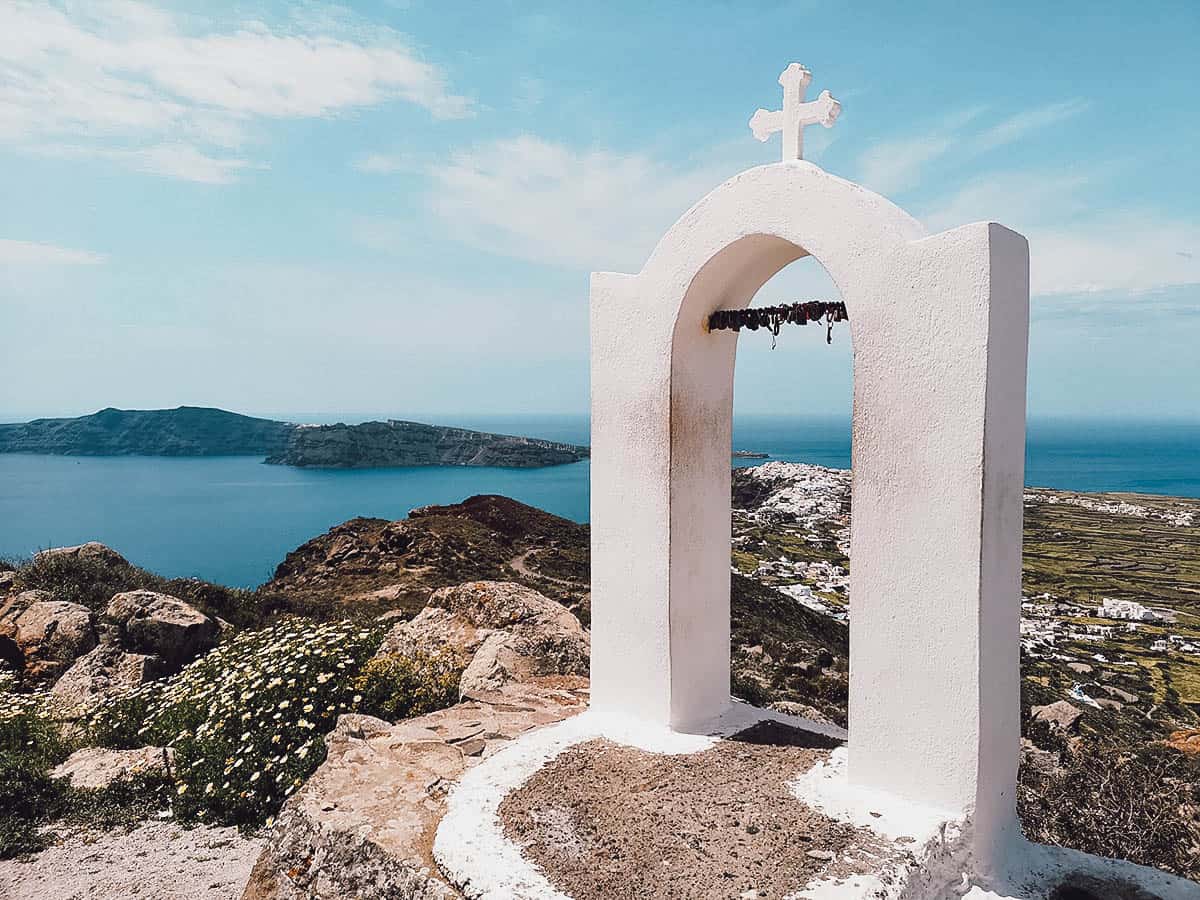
pixel 795 113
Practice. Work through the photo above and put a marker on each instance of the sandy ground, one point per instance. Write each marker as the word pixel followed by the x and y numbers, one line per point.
pixel 606 821
pixel 157 861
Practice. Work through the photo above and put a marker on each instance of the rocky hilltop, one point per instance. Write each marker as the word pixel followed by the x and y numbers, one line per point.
pixel 397 443
pixel 183 431
pixel 375 565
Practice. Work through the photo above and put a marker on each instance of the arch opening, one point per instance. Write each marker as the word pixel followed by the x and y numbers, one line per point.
pixel 703 366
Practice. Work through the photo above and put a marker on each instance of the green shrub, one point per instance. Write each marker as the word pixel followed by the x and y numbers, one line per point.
pixel 30 745
pixel 92 581
pixel 246 721
pixel 122 804
pixel 393 686
pixel 119 721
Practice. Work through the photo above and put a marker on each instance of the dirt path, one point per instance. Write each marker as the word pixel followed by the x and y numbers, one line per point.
pixel 157 861
pixel 517 564
pixel 606 821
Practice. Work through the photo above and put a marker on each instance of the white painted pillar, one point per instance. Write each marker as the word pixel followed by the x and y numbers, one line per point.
pixel 938 473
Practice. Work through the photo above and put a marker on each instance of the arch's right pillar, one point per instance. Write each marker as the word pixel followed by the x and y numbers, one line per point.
pixel 938 473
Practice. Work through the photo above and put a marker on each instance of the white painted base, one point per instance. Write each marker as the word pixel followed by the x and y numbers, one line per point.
pixel 946 866
pixel 473 852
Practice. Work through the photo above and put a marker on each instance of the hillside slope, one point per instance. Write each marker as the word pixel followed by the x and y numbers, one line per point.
pixel 183 431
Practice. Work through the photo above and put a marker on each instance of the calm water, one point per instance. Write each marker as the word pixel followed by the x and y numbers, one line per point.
pixel 232 519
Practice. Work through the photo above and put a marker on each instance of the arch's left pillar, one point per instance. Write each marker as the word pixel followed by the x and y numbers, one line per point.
pixel 631 501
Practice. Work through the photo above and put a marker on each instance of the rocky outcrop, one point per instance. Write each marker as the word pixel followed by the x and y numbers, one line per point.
pixel 47 634
pixel 1059 714
pixel 376 564
pixel 363 825
pixel 106 670
pixel 95 768
pixel 92 551
pixel 396 443
pixel 163 626
pixel 508 631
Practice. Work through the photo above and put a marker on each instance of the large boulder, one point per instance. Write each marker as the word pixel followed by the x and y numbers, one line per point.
pixel 106 670
pixel 12 607
pixel 363 824
pixel 162 625
pixel 506 631
pixel 1059 714
pixel 49 634
pixel 95 768
pixel 92 551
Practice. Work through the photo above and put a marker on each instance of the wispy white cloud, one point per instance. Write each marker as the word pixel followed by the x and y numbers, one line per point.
pixel 897 164
pixel 894 165
pixel 1018 126
pixel 170 159
pixel 385 163
pixel 127 76
pixel 1018 199
pixel 533 199
pixel 1075 248
pixel 1127 253
pixel 17 253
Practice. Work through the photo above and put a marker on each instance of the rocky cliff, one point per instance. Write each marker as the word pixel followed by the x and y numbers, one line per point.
pixel 183 431
pixel 396 443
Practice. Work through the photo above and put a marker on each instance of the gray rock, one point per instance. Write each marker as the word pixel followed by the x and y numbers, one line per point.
pixel 1044 762
pixel 1117 694
pixel 163 626
pixel 51 634
pixel 95 768
pixel 92 550
pixel 505 631
pixel 104 671
pixel 1060 714
pixel 7 579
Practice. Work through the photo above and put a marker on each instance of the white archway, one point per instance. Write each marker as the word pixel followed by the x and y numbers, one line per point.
pixel 940 327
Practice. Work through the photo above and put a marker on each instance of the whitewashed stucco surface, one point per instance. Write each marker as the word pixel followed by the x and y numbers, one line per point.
pixel 939 326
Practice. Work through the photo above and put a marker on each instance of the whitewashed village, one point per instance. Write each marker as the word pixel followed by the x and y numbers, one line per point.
pixel 713 731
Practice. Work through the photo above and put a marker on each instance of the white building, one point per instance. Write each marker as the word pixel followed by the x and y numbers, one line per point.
pixel 1111 608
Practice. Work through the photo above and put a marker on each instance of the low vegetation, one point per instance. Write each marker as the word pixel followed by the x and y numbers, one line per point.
pixel 30 744
pixel 246 723
pixel 246 720
pixel 392 686
pixel 1131 802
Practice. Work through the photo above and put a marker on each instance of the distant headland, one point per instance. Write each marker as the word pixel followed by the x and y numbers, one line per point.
pixel 201 431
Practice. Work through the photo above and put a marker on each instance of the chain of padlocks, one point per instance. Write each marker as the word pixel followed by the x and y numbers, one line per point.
pixel 773 318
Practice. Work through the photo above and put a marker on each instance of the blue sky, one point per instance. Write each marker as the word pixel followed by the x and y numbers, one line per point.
pixel 393 208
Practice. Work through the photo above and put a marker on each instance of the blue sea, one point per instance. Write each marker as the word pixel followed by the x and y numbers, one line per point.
pixel 232 519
